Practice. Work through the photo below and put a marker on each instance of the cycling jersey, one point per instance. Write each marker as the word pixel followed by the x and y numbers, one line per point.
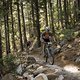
pixel 46 36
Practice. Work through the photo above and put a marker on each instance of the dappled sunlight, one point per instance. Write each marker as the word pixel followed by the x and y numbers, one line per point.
pixel 72 68
pixel 33 44
pixel 28 36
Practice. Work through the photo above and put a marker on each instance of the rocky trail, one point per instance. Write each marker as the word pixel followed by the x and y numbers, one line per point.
pixel 33 67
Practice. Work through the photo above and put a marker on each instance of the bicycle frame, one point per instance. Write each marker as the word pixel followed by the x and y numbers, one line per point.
pixel 48 52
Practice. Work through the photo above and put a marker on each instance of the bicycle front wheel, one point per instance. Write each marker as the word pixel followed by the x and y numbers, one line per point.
pixel 46 55
pixel 50 57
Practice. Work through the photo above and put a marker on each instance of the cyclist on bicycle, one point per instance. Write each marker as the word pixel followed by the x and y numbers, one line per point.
pixel 46 36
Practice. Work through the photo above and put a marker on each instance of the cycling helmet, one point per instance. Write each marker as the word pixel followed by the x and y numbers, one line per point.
pixel 47 29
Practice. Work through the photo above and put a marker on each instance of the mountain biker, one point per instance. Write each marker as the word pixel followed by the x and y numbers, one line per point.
pixel 46 36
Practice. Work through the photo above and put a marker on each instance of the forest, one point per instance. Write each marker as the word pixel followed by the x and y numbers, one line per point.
pixel 21 25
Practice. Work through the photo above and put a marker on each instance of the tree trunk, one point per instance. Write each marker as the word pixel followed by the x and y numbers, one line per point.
pixel 46 17
pixel 0 45
pixel 7 24
pixel 52 21
pixel 24 29
pixel 1 61
pixel 75 13
pixel 65 14
pixel 58 11
pixel 13 39
pixel 78 9
pixel 19 26
pixel 6 35
pixel 61 18
pixel 33 17
pixel 79 4
pixel 37 23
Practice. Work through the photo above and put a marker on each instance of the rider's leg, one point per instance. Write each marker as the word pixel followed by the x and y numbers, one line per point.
pixel 42 48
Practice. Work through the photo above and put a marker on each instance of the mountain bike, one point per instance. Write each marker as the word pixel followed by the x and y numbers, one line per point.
pixel 48 53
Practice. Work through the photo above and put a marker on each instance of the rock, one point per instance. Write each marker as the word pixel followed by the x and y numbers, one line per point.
pixel 59 47
pixel 9 77
pixel 49 71
pixel 20 69
pixel 61 77
pixel 70 78
pixel 31 60
pixel 25 74
pixel 41 76
pixel 32 66
pixel 56 50
pixel 55 67
pixel 71 69
pixel 69 46
pixel 78 59
pixel 63 42
pixel 29 77
pixel 19 78
pixel 39 70
pixel 51 76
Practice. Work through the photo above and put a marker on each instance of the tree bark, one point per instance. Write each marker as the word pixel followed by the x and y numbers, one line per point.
pixel 0 45
pixel 24 27
pixel 37 23
pixel 46 17
pixel 19 26
pixel 65 14
pixel 52 21
pixel 78 9
pixel 12 24
pixel 58 11
pixel 61 18
pixel 75 13
pixel 7 24
pixel 33 16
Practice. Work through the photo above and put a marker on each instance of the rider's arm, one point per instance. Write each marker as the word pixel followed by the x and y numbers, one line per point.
pixel 51 37
pixel 41 38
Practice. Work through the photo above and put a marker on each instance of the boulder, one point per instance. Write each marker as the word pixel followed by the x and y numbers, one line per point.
pixel 26 76
pixel 63 42
pixel 55 67
pixel 61 77
pixel 32 66
pixel 70 78
pixel 39 70
pixel 78 59
pixel 19 69
pixel 51 76
pixel 19 78
pixel 9 77
pixel 41 76
pixel 31 60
